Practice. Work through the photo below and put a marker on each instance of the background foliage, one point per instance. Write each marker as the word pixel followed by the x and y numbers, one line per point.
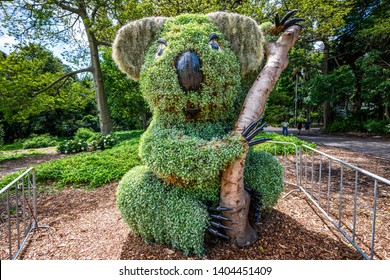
pixel 339 68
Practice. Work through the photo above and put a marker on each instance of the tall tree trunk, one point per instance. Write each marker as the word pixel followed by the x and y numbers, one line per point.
pixel 80 9
pixel 101 99
pixel 233 194
pixel 325 71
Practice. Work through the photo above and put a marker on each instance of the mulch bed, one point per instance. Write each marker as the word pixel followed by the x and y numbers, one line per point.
pixel 86 225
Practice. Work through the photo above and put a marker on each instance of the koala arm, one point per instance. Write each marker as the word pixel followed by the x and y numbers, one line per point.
pixel 188 159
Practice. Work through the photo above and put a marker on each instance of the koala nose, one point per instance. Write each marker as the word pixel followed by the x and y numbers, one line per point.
pixel 188 71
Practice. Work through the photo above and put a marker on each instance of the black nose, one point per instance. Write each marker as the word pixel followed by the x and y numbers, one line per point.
pixel 188 71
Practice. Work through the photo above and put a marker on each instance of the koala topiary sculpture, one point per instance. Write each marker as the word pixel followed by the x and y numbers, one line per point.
pixel 190 70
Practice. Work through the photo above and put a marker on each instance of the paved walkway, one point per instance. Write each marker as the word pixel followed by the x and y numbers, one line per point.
pixel 375 145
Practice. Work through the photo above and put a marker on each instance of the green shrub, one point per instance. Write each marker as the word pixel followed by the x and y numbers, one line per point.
pixel 103 142
pixel 39 141
pixel 387 130
pixel 72 146
pixel 84 134
pixel 344 125
pixel 376 126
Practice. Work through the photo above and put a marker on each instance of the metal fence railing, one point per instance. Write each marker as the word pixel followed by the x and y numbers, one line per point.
pixel 348 196
pixel 18 212
pixel 288 155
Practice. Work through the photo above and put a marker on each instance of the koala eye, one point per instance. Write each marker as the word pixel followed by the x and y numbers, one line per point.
pixel 213 42
pixel 162 44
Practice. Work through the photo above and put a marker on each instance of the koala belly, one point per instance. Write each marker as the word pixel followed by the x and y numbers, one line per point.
pixel 161 213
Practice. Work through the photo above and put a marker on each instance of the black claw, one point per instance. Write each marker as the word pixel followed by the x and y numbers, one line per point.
pixel 258 141
pixel 216 232
pixel 287 16
pixel 257 216
pixel 219 225
pixel 255 132
pixel 251 126
pixel 219 217
pixel 292 22
pixel 277 19
pixel 219 209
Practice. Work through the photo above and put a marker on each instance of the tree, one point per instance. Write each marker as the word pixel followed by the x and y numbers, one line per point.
pixel 55 21
pixel 233 194
pixel 128 108
pixel 23 73
pixel 323 20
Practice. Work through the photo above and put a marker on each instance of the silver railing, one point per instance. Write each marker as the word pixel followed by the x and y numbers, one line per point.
pixel 346 195
pixel 18 211
pixel 289 159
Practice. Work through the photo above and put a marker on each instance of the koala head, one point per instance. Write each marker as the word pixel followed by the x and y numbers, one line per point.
pixel 190 66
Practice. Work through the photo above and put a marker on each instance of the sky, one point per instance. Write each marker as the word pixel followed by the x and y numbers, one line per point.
pixel 6 43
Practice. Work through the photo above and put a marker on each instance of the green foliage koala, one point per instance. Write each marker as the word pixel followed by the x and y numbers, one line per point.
pixel 190 70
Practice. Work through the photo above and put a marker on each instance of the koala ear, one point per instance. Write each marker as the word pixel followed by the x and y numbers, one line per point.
pixel 132 42
pixel 245 37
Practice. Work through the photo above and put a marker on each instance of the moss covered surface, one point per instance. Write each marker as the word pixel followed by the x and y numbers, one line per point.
pixel 161 213
pixel 185 154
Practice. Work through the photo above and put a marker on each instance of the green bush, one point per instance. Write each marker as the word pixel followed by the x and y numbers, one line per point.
pixel 39 141
pixel 72 146
pixel 376 126
pixel 103 142
pixel 345 125
pixel 84 134
pixel 387 130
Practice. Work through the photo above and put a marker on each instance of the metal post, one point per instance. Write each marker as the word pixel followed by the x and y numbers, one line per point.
pixel 355 206
pixel 329 175
pixel 374 218
pixel 341 194
pixel 319 181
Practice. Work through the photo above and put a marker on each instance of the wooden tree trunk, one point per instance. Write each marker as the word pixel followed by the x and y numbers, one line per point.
pixel 101 99
pixel 233 194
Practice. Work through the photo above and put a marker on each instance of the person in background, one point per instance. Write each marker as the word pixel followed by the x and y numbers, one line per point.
pixel 299 127
pixel 285 127
pixel 307 126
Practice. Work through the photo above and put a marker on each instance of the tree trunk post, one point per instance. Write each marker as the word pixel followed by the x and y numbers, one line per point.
pixel 101 99
pixel 233 193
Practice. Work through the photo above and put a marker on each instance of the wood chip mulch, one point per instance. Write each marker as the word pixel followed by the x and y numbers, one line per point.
pixel 86 225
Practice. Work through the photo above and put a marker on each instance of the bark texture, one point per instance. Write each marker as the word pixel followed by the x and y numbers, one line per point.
pixel 233 194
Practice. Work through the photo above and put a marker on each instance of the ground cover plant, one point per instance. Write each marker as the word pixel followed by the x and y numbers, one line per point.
pixel 90 169
pixel 280 150
pixel 67 171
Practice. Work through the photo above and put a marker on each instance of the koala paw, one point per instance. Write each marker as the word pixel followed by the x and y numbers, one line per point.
pixel 252 130
pixel 215 222
pixel 284 23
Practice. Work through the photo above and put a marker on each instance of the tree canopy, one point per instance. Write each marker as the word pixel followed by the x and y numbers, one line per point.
pixel 339 69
